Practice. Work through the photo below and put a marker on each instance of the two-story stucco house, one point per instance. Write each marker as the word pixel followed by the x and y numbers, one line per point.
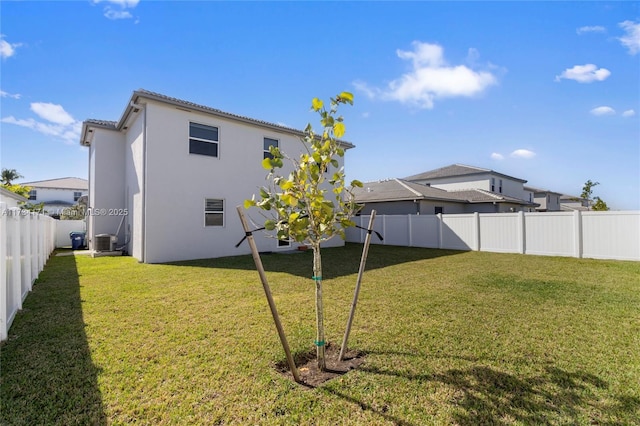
pixel 452 189
pixel 167 176
pixel 549 201
pixel 57 194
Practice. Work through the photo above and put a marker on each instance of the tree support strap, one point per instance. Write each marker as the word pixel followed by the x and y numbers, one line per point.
pixel 369 231
pixel 321 343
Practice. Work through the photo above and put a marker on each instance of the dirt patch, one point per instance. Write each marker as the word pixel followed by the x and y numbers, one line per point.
pixel 308 366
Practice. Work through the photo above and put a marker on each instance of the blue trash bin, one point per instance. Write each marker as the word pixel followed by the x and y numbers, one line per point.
pixel 77 240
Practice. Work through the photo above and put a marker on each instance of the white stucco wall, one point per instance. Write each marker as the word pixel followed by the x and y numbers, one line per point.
pixel 177 183
pixel 134 186
pixel 106 183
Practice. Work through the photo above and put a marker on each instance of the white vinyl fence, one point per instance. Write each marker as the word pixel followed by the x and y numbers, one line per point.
pixel 26 241
pixel 64 228
pixel 588 234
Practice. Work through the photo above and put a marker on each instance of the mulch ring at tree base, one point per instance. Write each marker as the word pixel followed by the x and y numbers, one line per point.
pixel 308 365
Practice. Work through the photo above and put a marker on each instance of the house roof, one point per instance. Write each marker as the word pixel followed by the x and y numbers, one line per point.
pixel 5 193
pixel 540 190
pixel 59 183
pixel 457 170
pixel 403 190
pixel 139 94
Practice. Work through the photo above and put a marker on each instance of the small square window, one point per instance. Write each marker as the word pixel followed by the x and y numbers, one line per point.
pixel 267 143
pixel 203 140
pixel 213 212
pixel 77 195
pixel 33 194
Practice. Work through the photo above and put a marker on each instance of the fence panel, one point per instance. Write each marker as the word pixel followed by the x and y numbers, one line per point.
pixel 501 232
pixel 64 227
pixel 27 241
pixel 611 235
pixel 458 232
pixel 425 231
pixel 396 230
pixel 550 234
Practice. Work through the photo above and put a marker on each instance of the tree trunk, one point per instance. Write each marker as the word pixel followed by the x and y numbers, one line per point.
pixel 317 277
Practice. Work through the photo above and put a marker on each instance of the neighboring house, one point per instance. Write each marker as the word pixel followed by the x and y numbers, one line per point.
pixel 452 189
pixel 167 176
pixel 549 200
pixel 57 194
pixel 573 203
pixel 399 196
pixel 10 199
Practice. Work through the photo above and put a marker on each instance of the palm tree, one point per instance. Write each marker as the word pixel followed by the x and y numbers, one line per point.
pixel 8 175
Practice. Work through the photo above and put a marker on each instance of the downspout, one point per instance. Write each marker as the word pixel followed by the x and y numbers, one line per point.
pixel 143 240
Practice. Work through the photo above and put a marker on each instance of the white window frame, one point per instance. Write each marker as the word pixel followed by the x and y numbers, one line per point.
pixel 212 211
pixel 265 152
pixel 77 195
pixel 211 141
pixel 33 195
pixel 282 244
pixel 493 184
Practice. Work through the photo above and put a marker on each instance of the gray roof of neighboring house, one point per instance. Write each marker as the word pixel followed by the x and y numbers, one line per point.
pixel 457 170
pixel 60 183
pixel 402 190
pixel 540 190
pixel 146 94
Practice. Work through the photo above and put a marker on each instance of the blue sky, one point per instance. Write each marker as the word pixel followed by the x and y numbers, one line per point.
pixel 544 91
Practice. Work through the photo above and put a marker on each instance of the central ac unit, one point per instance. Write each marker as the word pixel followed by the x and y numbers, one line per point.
pixel 106 242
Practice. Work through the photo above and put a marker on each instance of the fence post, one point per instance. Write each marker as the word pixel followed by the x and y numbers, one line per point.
pixel 577 233
pixel 25 223
pixel 476 224
pixel 410 225
pixel 439 215
pixel 13 228
pixel 522 233
pixel 3 273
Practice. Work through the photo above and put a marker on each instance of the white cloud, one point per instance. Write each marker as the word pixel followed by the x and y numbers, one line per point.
pixel 523 153
pixel 497 156
pixel 117 9
pixel 591 29
pixel 4 94
pixel 631 40
pixel 629 113
pixel 7 49
pixel 366 114
pixel 116 14
pixel 431 78
pixel 603 110
pixel 52 112
pixel 61 124
pixel 587 73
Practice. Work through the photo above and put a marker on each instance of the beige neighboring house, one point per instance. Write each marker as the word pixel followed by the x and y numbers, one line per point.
pixel 57 194
pixel 573 203
pixel 549 200
pixel 452 189
pixel 10 199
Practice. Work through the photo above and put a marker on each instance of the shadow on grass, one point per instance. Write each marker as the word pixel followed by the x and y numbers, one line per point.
pixel 47 373
pixel 336 261
pixel 488 396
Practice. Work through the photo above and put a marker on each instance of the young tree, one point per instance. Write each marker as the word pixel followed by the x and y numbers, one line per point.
pixel 587 194
pixel 312 204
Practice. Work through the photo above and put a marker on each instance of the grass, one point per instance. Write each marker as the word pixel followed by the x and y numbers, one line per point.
pixel 451 338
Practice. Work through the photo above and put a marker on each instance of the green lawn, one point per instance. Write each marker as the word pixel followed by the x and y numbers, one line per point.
pixel 451 337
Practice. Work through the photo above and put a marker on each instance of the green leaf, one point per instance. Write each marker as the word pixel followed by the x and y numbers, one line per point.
pixel 266 163
pixel 356 183
pixel 269 225
pixel 316 104
pixel 347 97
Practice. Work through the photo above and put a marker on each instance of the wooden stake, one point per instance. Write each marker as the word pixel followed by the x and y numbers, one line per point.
pixel 363 261
pixel 267 292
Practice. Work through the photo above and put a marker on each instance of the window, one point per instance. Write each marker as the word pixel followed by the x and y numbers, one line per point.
pixel 284 243
pixel 268 142
pixel 203 140
pixel 76 195
pixel 33 194
pixel 439 210
pixel 213 212
pixel 493 184
pixel 500 187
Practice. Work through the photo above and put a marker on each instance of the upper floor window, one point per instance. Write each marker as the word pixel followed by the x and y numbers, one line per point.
pixel 213 212
pixel 269 142
pixel 500 187
pixel 203 140
pixel 33 194
pixel 76 195
pixel 493 184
